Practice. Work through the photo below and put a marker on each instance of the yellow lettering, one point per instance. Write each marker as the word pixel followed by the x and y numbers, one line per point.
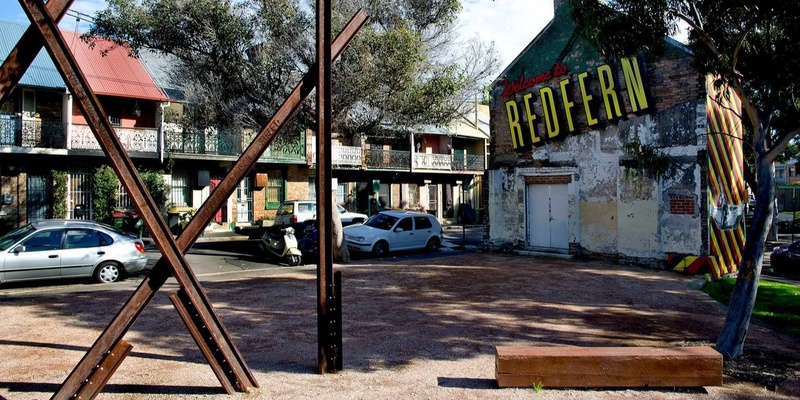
pixel 513 124
pixel 549 111
pixel 565 86
pixel 531 118
pixel 633 80
pixel 586 98
pixel 606 77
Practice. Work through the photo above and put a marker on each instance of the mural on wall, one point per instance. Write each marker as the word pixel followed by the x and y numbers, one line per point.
pixel 726 191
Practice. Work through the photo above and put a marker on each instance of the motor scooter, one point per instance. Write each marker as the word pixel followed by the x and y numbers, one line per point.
pixel 308 243
pixel 281 244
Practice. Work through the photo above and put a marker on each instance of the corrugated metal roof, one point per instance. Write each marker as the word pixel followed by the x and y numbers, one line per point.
pixel 160 67
pixel 114 73
pixel 42 73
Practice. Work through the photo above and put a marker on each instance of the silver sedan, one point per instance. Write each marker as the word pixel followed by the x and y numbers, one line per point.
pixel 51 249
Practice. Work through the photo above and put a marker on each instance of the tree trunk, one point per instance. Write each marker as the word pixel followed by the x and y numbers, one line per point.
pixel 731 341
pixel 340 251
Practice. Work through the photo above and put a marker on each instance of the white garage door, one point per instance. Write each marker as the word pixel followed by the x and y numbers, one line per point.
pixel 547 210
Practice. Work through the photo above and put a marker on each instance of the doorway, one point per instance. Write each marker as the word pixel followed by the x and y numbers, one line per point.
pixel 548 214
pixel 37 197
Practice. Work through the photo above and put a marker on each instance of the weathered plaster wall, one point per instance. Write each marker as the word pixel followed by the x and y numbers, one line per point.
pixel 506 207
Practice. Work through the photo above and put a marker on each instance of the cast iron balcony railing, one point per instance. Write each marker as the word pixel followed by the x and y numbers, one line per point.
pixel 388 159
pixel 285 147
pixel 144 140
pixel 468 162
pixel 432 161
pixel 342 156
pixel 33 133
pixel 476 162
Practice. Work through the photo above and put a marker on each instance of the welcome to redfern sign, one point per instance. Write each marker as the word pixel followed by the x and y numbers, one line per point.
pixel 557 109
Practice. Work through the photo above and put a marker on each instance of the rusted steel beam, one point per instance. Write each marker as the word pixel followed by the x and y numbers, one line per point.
pixel 122 164
pixel 110 364
pixel 125 318
pixel 326 360
pixel 22 55
pixel 188 314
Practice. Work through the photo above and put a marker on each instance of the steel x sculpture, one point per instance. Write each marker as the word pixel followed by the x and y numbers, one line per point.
pixel 191 301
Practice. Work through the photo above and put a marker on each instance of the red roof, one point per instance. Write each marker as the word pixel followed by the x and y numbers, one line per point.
pixel 114 73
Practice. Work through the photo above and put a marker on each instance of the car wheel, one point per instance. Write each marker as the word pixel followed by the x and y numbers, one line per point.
pixel 108 272
pixel 433 244
pixel 380 249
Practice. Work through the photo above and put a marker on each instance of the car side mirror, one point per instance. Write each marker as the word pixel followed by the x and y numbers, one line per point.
pixel 19 249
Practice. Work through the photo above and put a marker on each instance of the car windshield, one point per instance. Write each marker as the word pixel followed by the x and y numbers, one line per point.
pixel 14 236
pixel 286 209
pixel 381 221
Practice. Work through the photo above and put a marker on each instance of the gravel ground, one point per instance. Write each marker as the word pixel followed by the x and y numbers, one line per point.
pixel 413 329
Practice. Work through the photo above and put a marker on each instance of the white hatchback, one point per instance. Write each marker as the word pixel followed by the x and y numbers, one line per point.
pixel 296 211
pixel 395 230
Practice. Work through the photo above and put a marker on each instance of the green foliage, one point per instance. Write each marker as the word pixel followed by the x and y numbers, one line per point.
pixel 154 181
pixel 537 387
pixel 237 61
pixel 104 193
pixel 777 304
pixel 59 209
pixel 648 161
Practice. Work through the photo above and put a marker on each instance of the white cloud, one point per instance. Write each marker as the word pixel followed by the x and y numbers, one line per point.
pixel 510 24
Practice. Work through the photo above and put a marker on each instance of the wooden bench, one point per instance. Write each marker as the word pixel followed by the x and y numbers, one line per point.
pixel 580 367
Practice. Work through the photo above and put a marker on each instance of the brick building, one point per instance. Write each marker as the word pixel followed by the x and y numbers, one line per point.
pixel 632 159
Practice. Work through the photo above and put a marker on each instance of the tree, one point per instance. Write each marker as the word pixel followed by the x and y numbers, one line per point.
pixel 104 193
pixel 237 61
pixel 751 46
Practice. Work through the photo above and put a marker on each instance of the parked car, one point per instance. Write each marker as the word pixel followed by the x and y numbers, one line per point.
pixel 395 230
pixel 297 211
pixel 50 249
pixel 786 258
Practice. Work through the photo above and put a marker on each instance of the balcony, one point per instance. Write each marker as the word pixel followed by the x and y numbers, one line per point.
pixel 440 162
pixel 468 163
pixel 284 148
pixel 32 133
pixel 388 159
pixel 343 156
pixel 144 140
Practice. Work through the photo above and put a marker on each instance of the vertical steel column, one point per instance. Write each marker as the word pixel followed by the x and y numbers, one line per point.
pixel 122 164
pixel 325 324
pixel 110 341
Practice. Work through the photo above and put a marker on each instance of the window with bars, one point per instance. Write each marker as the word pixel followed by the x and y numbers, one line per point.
pixel 180 188
pixel 275 189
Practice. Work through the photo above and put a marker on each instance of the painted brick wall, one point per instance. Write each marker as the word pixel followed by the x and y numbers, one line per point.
pixel 682 205
pixel 670 80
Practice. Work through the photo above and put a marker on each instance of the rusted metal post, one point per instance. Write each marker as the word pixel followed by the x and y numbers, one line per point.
pixel 325 328
pixel 122 164
pixel 160 272
pixel 106 349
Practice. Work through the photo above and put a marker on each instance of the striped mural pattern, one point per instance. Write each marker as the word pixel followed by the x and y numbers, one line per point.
pixel 726 188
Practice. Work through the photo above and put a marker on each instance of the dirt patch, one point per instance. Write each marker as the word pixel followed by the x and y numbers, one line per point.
pixel 413 329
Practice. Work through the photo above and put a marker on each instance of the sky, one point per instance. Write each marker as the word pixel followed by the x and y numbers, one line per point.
pixel 510 24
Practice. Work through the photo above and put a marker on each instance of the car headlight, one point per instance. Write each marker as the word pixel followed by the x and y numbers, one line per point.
pixel 355 238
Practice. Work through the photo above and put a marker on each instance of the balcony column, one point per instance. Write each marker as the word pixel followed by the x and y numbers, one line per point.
pixel 66 116
pixel 413 151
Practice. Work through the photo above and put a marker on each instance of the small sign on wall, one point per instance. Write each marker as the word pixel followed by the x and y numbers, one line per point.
pixel 8 199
